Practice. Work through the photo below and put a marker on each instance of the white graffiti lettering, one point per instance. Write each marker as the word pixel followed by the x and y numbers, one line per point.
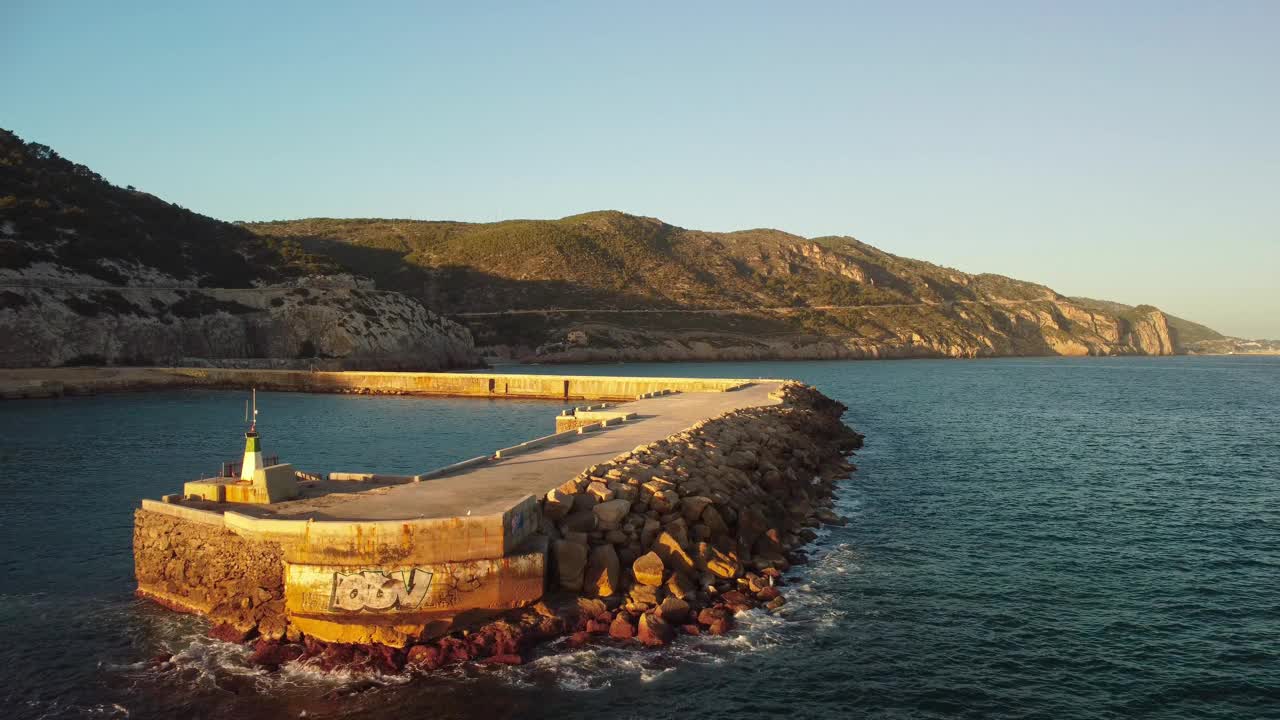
pixel 376 590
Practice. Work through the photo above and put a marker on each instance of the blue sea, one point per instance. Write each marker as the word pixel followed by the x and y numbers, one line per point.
pixel 1029 538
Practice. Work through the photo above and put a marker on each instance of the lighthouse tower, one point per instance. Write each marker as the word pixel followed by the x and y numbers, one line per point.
pixel 252 448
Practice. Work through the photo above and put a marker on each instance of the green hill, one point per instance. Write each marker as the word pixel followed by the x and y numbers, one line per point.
pixel 614 260
pixel 634 286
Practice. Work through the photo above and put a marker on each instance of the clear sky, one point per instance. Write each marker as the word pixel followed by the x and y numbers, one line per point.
pixel 1124 150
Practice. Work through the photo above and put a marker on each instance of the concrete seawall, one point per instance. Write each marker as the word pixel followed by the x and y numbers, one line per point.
pixel 47 382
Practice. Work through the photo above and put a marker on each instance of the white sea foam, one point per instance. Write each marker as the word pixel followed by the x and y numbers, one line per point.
pixel 308 674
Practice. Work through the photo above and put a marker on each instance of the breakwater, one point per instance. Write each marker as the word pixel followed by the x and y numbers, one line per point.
pixel 673 535
pixel 52 382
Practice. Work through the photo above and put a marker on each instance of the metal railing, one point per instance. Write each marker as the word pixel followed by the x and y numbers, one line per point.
pixel 232 469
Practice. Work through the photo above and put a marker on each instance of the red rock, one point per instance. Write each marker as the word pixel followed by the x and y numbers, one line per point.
pixel 337 655
pixel 711 615
pixel 768 593
pixel 720 627
pixel 266 653
pixel 427 657
pixel 691 629
pixel 226 632
pixel 737 601
pixel 579 639
pixel 506 659
pixel 595 627
pixel 383 658
pixel 622 630
pixel 654 630
pixel 453 650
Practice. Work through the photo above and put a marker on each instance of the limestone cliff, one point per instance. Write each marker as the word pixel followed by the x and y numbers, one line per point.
pixel 1032 329
pixel 334 328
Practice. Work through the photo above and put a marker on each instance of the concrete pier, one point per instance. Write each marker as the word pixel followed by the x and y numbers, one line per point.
pixel 369 558
pixel 47 382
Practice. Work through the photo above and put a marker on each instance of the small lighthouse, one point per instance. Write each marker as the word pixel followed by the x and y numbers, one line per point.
pixel 252 448
pixel 258 483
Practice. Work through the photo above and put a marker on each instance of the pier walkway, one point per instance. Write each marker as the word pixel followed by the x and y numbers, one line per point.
pixel 500 484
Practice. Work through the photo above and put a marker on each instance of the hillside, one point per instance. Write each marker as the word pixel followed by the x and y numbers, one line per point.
pixel 95 273
pixel 618 261
pixel 611 286
pixel 92 273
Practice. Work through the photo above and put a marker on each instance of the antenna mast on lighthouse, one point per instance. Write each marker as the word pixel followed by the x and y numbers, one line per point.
pixel 252 449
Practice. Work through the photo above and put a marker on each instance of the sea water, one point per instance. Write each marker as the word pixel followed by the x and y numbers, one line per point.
pixel 1095 537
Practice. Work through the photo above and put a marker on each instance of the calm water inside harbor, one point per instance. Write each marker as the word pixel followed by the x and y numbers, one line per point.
pixel 1030 538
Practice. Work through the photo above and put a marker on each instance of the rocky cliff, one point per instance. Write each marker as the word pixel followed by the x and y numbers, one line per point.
pixel 333 328
pixel 611 286
pixel 966 331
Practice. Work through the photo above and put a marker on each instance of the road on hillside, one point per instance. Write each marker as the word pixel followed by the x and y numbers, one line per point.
pixel 718 311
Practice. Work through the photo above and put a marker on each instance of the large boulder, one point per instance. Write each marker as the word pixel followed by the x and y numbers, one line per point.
pixel 711 518
pixel 672 555
pixel 674 610
pixel 571 560
pixel 654 630
pixel 610 513
pixel 692 506
pixel 558 504
pixel 770 543
pixel 679 530
pixel 600 491
pixel 680 585
pixel 602 573
pixel 721 564
pixel 646 594
pixel 751 525
pixel 581 521
pixel 622 627
pixel 649 569
pixel 664 501
pixel 649 531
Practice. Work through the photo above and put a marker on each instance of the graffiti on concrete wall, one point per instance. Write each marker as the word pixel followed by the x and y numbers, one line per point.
pixel 378 590
pixel 414 589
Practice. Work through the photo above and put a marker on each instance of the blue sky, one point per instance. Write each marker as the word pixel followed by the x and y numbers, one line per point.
pixel 1123 150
